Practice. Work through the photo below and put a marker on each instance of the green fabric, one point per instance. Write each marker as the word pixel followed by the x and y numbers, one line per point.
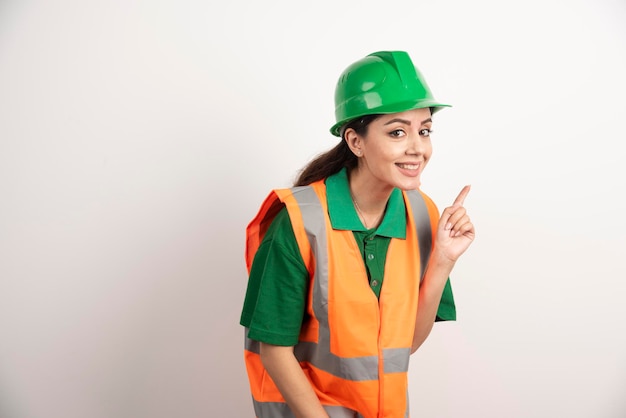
pixel 275 301
pixel 447 308
pixel 274 305
pixel 372 243
pixel 374 252
pixel 343 215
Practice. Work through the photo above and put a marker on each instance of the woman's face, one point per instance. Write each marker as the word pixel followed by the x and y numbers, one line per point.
pixel 395 150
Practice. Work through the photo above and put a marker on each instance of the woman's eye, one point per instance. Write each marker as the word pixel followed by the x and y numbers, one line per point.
pixel 397 133
pixel 425 132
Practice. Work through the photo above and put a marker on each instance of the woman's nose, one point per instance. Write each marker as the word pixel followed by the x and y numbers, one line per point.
pixel 415 145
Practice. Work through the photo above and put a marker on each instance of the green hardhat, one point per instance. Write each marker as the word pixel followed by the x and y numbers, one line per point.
pixel 382 82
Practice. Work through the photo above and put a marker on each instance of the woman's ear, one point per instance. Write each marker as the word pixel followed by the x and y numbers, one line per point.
pixel 353 141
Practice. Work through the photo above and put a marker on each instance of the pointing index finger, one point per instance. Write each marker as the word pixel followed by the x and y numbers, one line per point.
pixel 461 197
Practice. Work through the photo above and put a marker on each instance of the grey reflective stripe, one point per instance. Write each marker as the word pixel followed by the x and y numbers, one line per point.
pixel 353 368
pixel 349 368
pixel 396 360
pixel 422 224
pixel 319 355
pixel 251 345
pixel 406 411
pixel 281 410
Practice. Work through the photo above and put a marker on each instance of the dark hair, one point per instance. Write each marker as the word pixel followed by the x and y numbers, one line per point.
pixel 331 162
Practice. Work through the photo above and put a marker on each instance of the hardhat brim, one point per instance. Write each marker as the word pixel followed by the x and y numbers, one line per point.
pixel 393 108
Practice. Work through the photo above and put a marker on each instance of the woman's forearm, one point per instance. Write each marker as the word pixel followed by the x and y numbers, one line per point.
pixel 455 233
pixel 285 371
pixel 430 293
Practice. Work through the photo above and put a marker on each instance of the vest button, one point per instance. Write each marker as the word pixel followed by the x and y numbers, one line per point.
pixel 374 283
pixel 370 256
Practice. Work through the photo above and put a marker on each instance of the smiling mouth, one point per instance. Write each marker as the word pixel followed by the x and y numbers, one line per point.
pixel 408 166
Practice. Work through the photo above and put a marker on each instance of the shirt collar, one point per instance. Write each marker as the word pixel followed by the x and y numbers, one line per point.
pixel 343 214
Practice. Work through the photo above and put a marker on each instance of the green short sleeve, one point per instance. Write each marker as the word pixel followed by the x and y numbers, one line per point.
pixel 447 309
pixel 275 299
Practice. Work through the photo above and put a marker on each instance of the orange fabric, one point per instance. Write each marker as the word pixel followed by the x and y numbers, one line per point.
pixel 359 323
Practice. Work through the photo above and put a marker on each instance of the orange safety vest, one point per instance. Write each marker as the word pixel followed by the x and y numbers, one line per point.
pixel 353 347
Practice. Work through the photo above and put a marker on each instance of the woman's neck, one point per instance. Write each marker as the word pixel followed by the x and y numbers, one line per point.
pixel 369 197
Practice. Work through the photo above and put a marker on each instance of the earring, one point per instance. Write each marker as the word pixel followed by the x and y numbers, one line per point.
pixel 358 153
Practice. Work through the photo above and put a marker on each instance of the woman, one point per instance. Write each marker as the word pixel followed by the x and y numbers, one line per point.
pixel 349 269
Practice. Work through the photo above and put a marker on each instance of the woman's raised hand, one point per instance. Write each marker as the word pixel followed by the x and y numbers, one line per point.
pixel 456 231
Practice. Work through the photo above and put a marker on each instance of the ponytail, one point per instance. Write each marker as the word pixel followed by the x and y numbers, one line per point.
pixel 327 164
pixel 331 162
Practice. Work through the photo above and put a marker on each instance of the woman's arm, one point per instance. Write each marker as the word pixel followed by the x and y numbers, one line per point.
pixel 454 235
pixel 288 376
pixel 431 290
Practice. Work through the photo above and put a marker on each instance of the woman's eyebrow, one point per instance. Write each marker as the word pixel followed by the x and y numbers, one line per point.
pixel 407 122
pixel 404 121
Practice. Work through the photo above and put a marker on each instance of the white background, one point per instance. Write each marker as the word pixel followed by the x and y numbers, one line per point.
pixel 138 138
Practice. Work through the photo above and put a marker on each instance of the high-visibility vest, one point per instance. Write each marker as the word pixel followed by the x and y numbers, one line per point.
pixel 353 347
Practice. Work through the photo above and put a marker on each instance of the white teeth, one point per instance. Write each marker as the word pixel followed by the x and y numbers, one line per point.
pixel 409 166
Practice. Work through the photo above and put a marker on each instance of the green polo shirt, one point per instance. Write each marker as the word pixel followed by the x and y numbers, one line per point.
pixel 274 305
